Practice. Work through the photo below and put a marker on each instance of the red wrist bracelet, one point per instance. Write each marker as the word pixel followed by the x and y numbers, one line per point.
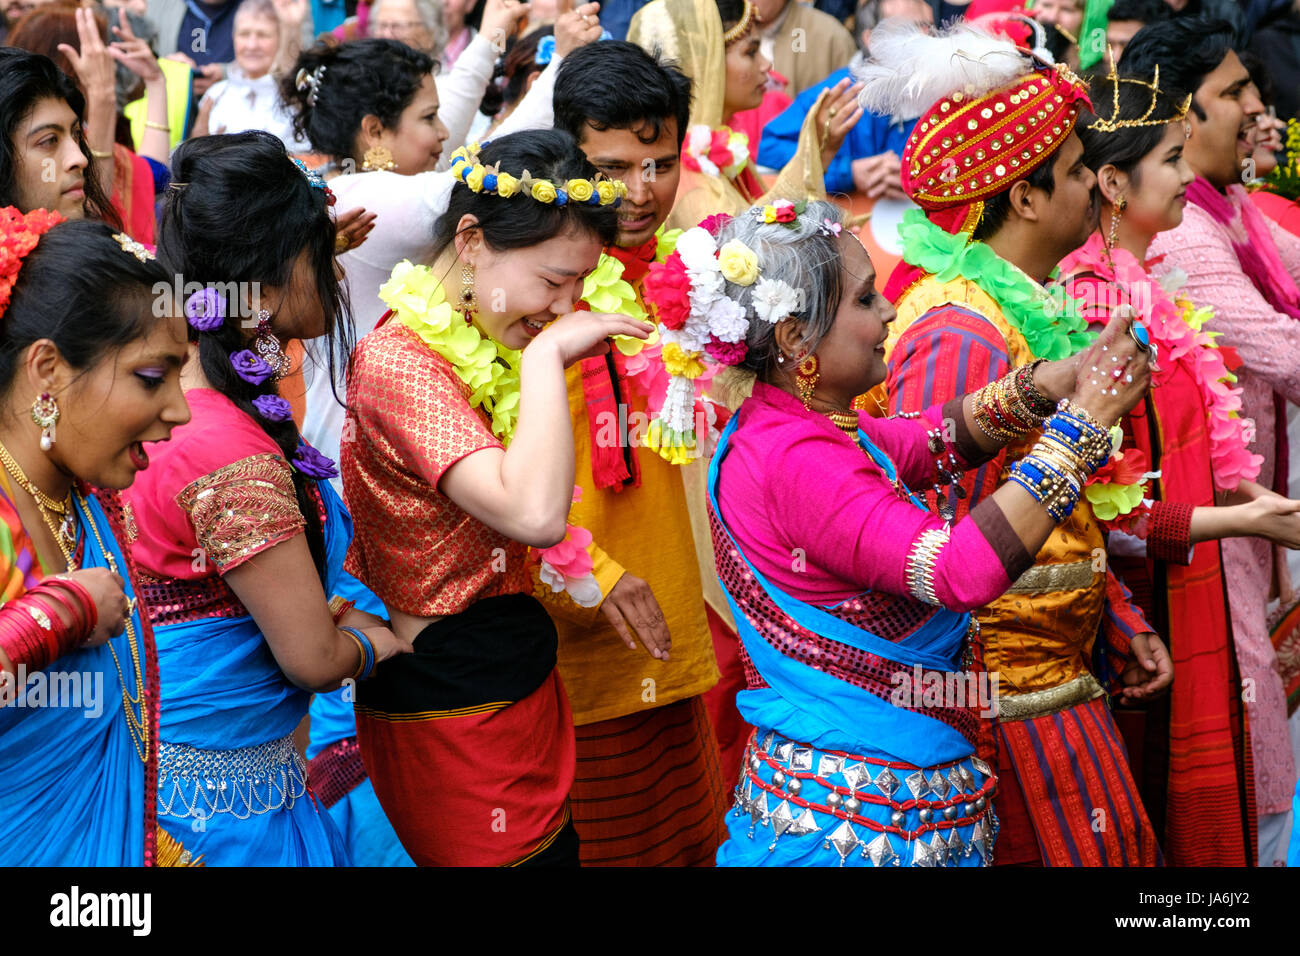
pixel 1171 529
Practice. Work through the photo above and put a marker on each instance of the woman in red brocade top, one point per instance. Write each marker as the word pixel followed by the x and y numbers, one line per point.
pixel 1195 782
pixel 469 741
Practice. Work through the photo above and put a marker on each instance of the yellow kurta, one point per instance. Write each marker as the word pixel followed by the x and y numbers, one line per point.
pixel 644 531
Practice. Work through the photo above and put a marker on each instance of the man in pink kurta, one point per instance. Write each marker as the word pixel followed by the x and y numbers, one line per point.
pixel 1246 268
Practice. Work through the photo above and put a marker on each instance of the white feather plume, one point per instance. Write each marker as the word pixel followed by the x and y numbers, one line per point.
pixel 908 70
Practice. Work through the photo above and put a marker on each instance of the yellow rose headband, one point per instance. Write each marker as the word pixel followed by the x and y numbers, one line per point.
pixel 490 179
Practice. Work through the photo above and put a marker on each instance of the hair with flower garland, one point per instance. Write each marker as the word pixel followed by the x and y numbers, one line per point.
pixel 552 159
pixel 72 283
pixel 493 180
pixel 247 216
pixel 719 297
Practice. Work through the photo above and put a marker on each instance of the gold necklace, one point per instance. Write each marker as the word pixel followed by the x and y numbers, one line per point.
pixel 65 531
pixel 137 723
pixel 845 421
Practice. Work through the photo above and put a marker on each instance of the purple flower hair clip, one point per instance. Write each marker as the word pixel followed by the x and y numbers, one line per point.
pixel 205 310
pixel 830 227
pixel 273 408
pixel 251 368
pixel 313 464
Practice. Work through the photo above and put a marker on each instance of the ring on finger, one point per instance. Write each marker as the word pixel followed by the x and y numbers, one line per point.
pixel 1141 336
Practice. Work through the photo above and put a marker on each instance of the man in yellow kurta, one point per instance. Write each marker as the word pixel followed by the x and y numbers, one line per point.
pixel 648 789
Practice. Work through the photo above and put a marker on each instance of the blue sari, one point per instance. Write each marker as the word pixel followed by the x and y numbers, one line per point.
pixel 810 724
pixel 231 786
pixel 72 783
pixel 370 838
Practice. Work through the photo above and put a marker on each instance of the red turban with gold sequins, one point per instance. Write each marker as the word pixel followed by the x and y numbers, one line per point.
pixel 965 149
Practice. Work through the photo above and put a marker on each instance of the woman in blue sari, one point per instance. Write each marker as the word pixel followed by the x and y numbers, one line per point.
pixel 850 596
pixel 88 375
pixel 241 539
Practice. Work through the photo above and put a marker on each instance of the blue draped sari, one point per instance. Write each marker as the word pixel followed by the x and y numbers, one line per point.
pixel 370 838
pixel 806 720
pixel 72 784
pixel 223 691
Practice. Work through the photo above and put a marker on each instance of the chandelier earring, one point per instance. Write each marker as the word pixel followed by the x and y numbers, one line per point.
pixel 267 346
pixel 1116 213
pixel 805 379
pixel 468 301
pixel 45 413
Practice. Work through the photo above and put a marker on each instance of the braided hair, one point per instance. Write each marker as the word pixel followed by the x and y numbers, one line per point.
pixel 242 213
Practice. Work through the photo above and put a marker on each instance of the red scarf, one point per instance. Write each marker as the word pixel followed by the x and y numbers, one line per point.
pixel 604 386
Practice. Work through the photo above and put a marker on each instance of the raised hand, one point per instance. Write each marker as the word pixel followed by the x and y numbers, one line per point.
pixel 839 112
pixel 133 52
pixel 577 27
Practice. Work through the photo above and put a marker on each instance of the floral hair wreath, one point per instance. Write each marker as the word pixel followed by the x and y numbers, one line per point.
pixel 490 179
pixel 699 322
pixel 19 233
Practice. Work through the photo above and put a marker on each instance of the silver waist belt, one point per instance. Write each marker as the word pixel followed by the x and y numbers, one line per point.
pixel 244 782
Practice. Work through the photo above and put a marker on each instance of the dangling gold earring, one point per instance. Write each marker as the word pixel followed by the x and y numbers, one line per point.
pixel 805 379
pixel 377 157
pixel 1116 213
pixel 468 302
pixel 45 413
pixel 268 347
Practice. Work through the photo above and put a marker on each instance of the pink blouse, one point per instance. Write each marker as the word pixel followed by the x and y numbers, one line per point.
pixel 821 521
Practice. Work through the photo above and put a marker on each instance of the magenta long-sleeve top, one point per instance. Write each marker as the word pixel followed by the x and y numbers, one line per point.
pixel 817 517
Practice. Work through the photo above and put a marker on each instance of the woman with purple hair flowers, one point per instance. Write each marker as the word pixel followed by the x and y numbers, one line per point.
pixel 240 538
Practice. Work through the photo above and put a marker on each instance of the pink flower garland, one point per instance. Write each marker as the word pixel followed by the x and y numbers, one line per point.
pixel 1231 459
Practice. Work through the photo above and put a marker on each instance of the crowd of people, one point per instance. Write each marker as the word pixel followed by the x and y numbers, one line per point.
pixel 462 434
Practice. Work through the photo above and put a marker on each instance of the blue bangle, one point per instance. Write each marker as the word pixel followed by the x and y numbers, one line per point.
pixel 367 649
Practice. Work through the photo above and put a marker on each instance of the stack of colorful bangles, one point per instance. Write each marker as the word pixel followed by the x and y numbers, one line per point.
pixel 367 649
pixel 33 633
pixel 1012 406
pixel 1072 447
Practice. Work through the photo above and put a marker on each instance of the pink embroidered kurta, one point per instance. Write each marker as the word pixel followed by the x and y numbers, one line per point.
pixel 1269 345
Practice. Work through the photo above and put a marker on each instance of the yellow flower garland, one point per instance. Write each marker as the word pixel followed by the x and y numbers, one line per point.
pixel 490 370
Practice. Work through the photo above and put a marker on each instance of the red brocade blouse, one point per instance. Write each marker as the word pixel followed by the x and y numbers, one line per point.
pixel 410 420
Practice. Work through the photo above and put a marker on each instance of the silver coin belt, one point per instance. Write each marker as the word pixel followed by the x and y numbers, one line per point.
pixel 943 814
pixel 245 782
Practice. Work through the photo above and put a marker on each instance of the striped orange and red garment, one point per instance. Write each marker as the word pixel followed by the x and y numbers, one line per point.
pixel 649 791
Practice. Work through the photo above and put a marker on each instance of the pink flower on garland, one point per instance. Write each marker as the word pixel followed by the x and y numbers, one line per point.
pixel 667 288
pixel 726 353
pixel 1229 436
pixel 713 224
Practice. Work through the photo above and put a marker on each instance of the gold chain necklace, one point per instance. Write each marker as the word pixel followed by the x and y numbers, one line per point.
pixel 137 721
pixel 64 532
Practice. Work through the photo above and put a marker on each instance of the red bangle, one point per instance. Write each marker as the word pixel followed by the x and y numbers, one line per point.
pixel 91 615
pixel 29 635
pixel 1170 539
pixel 70 635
